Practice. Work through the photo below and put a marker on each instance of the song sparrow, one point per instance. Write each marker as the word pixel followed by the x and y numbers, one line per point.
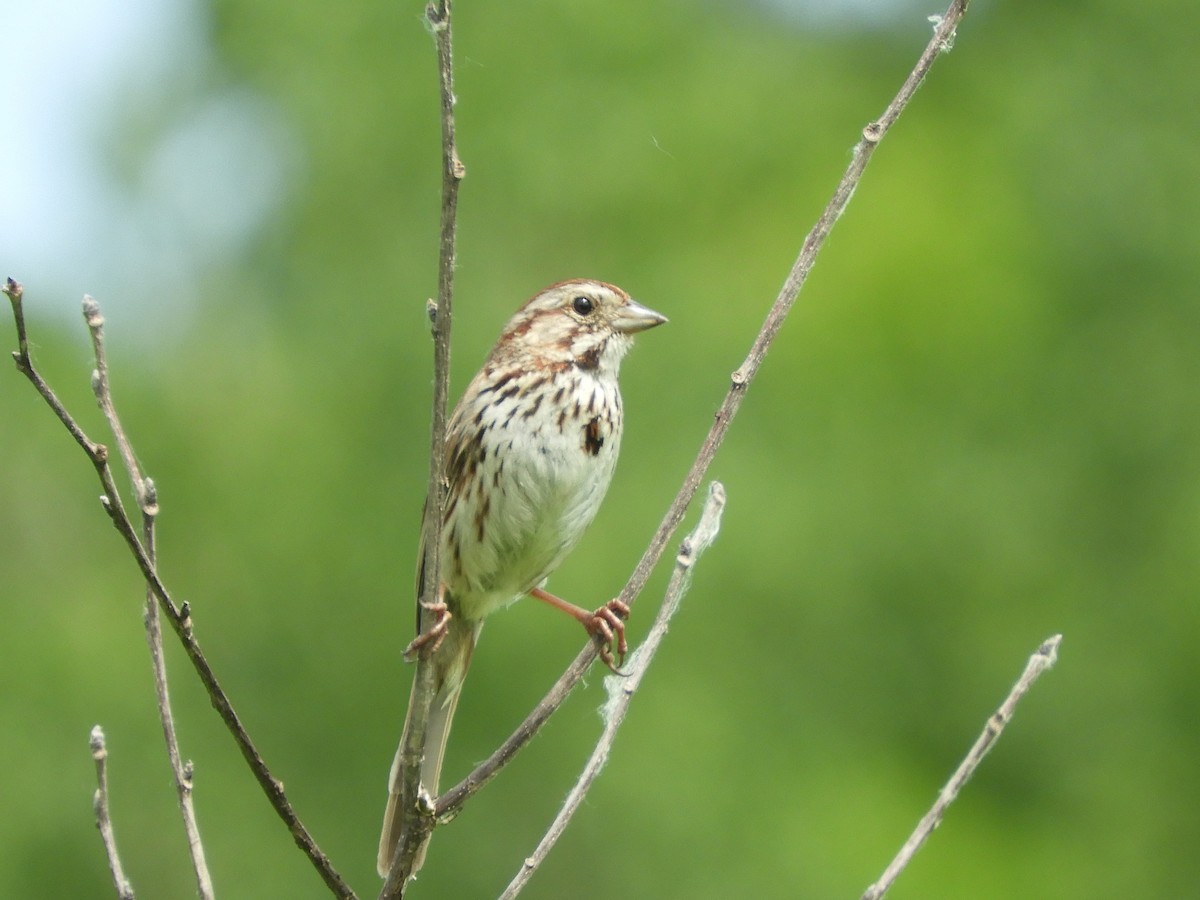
pixel 530 451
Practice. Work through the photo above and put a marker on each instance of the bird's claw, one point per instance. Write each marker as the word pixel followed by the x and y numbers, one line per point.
pixel 607 628
pixel 427 642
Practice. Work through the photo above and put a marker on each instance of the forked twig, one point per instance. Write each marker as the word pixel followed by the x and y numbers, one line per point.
pixel 179 617
pixel 450 802
pixel 103 820
pixel 1042 661
pixel 147 499
pixel 621 690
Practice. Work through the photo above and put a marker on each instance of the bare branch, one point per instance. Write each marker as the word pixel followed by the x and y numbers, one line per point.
pixel 103 821
pixel 621 690
pixel 178 616
pixel 97 453
pixel 414 809
pixel 1042 661
pixel 450 802
pixel 100 387
pixel 438 16
pixel 147 500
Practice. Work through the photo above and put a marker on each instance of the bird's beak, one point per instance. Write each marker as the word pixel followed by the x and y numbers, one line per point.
pixel 633 317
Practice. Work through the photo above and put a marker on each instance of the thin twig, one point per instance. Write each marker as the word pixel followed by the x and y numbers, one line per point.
pixel 97 453
pixel 178 616
pixel 103 821
pixel 450 802
pixel 147 499
pixel 1042 661
pixel 100 387
pixel 621 690
pixel 415 811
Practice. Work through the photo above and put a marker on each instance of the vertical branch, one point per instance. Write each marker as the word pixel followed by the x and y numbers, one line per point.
pixel 441 312
pixel 147 500
pixel 103 821
pixel 416 811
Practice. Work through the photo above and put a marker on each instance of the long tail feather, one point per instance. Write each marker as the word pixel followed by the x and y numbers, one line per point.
pixel 451 662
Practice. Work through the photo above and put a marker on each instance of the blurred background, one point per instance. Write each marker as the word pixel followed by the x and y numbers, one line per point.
pixel 980 427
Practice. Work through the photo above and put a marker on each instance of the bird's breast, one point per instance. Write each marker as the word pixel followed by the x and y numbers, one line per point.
pixel 537 486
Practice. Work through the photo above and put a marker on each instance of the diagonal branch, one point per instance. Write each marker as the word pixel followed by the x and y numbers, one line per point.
pixel 451 802
pixel 178 616
pixel 621 690
pixel 1041 662
pixel 147 500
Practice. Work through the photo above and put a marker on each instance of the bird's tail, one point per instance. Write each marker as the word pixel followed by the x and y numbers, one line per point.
pixel 450 662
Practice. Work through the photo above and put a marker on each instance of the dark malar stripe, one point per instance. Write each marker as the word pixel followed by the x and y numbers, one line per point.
pixel 589 360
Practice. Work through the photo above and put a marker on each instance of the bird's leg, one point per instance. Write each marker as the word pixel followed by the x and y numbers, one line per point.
pixel 427 642
pixel 606 625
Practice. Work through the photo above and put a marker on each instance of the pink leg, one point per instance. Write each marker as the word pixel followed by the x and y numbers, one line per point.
pixel 606 625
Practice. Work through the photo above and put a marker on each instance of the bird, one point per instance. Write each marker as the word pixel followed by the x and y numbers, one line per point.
pixel 529 454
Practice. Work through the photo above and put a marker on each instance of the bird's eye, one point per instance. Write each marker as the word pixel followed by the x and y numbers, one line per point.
pixel 583 305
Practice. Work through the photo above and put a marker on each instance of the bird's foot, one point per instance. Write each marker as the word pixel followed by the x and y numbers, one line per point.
pixel 607 628
pixel 427 642
pixel 606 625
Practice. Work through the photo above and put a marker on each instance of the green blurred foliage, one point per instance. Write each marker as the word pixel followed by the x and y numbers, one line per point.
pixel 979 428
